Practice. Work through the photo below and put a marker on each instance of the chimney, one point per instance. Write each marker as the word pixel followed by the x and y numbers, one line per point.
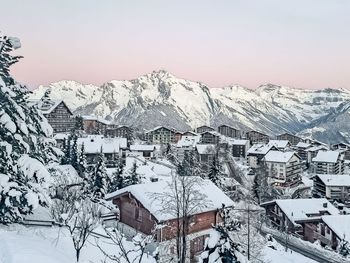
pixel 325 205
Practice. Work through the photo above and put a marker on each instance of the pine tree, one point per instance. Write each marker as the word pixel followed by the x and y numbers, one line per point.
pixel 74 152
pixel 224 249
pixel 117 180
pixel 66 159
pixel 189 166
pixel 215 172
pixel 25 146
pixel 134 177
pixel 82 165
pixel 100 179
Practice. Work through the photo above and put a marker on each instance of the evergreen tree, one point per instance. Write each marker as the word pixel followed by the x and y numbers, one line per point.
pixel 117 180
pixel 74 152
pixel 215 172
pixel 82 165
pixel 221 247
pixel 25 146
pixel 100 179
pixel 190 165
pixel 134 177
pixel 66 158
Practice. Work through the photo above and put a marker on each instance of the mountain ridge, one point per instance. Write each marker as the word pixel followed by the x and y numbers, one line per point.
pixel 160 98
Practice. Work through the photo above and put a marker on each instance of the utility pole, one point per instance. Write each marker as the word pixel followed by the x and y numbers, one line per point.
pixel 248 232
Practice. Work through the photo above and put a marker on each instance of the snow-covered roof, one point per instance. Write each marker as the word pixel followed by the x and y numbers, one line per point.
pixel 335 179
pixel 278 157
pixel 61 136
pixel 159 127
pixel 187 141
pixel 317 148
pixel 93 144
pixel 142 147
pixel 94 118
pixel 301 209
pixel 326 157
pixel 39 214
pixel 239 142
pixel 260 148
pixel 215 133
pixel 281 144
pixel 340 224
pixel 303 145
pixel 147 194
pixel 206 148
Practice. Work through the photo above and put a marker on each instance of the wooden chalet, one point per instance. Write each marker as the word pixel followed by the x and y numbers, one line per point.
pixel 141 209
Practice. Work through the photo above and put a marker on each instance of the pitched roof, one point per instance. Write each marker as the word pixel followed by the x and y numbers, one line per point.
pixel 326 157
pixel 303 145
pixel 94 118
pixel 187 141
pixel 94 143
pixel 279 143
pixel 301 209
pixel 278 157
pixel 239 142
pixel 142 147
pixel 260 148
pixel 340 224
pixel 335 179
pixel 206 148
pixel 148 195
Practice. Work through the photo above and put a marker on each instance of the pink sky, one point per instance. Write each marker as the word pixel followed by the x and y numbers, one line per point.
pixel 297 43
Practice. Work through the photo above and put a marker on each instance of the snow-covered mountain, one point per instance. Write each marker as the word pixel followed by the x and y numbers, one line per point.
pixel 160 98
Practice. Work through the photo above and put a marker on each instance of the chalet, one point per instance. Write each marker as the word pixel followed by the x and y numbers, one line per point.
pixel 204 128
pixel 340 146
pixel 328 162
pixel 144 206
pixel 257 152
pixel 112 148
pixel 121 131
pixel 240 148
pixel 189 133
pixel 301 148
pixel 160 135
pixel 206 153
pixel 187 143
pixel 210 137
pixel 334 187
pixel 281 145
pixel 332 230
pixel 284 168
pixel 229 131
pixel 94 125
pixel 293 139
pixel 288 215
pixel 257 137
pixel 59 116
pixel 144 150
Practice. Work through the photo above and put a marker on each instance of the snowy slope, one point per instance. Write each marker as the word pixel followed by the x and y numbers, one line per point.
pixel 160 98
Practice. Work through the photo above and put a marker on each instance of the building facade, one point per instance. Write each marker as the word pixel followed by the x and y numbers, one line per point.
pixel 229 131
pixel 257 137
pixel 160 135
pixel 293 140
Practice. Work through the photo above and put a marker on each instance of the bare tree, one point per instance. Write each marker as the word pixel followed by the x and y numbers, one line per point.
pixel 133 251
pixel 82 222
pixel 183 200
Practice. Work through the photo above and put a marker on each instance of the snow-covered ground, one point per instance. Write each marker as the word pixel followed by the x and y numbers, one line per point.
pixel 19 244
pixel 281 256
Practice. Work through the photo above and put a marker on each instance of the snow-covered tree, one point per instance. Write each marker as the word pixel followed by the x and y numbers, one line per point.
pixel 220 247
pixel 100 179
pixel 25 146
pixel 190 165
pixel 216 173
pixel 117 179
pixel 66 158
pixel 134 178
pixel 344 248
pixel 81 164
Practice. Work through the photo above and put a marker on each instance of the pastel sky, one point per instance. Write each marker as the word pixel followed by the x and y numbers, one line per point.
pixel 299 43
